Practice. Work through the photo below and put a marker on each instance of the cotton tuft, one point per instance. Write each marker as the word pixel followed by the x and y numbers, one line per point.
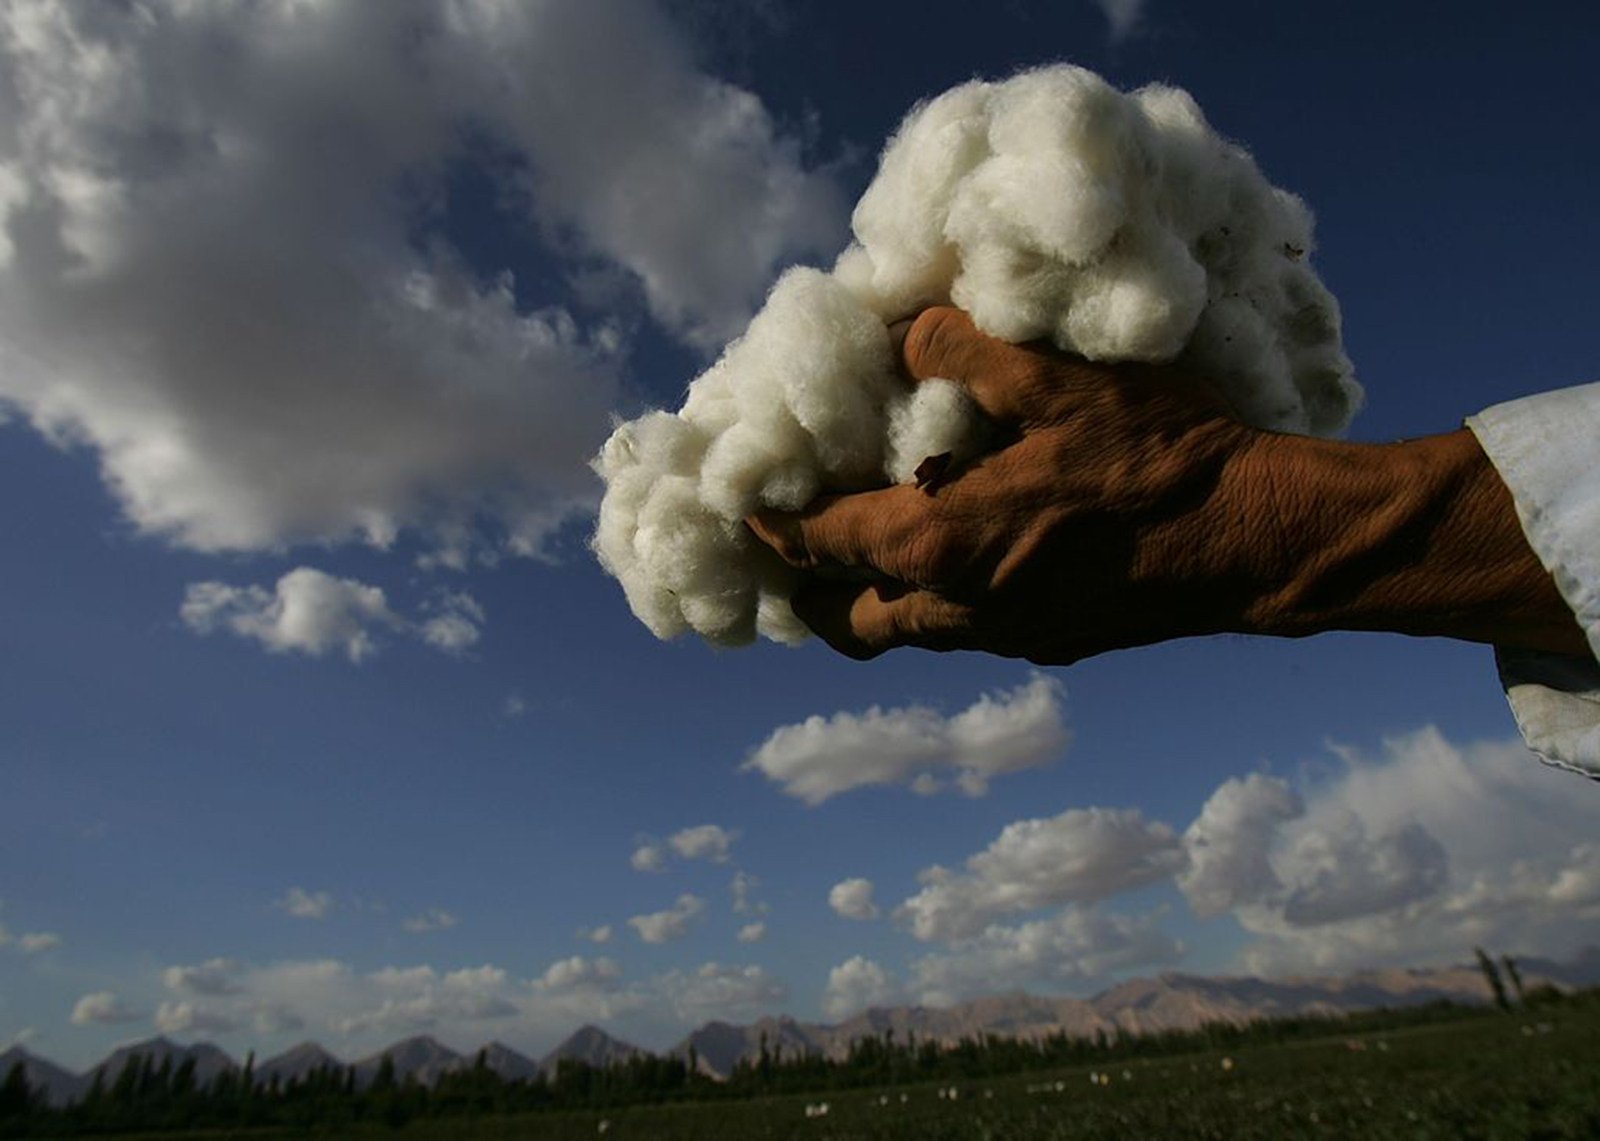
pixel 1118 226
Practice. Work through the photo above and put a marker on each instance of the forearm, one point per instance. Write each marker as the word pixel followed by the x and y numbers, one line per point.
pixel 1419 537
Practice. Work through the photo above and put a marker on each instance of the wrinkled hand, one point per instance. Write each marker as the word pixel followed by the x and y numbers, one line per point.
pixel 1104 520
pixel 1126 505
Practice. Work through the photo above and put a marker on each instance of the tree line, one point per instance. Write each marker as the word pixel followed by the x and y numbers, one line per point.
pixel 148 1095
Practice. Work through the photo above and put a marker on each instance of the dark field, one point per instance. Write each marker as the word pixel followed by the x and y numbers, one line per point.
pixel 1533 1074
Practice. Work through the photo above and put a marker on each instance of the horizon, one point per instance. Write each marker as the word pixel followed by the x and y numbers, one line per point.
pixel 252 1055
pixel 324 724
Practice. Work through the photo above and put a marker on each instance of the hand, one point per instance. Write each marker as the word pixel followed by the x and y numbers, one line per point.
pixel 1127 505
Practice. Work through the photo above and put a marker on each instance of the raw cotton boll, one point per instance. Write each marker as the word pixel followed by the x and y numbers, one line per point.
pixel 937 418
pixel 901 215
pixel 1139 303
pixel 1049 206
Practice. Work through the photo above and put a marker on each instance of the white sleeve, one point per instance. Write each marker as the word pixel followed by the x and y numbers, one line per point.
pixel 1547 449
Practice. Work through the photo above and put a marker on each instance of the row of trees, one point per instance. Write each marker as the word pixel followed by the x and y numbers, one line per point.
pixel 148 1095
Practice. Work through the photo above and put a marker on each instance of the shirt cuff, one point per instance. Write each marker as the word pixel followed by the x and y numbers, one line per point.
pixel 1545 448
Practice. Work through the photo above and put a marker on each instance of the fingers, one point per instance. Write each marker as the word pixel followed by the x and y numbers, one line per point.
pixel 1011 383
pixel 886 531
pixel 863 621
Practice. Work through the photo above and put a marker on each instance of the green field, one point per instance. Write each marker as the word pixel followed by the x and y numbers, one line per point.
pixel 1520 1075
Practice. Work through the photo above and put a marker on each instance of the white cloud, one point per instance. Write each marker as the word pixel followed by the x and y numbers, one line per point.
pixel 600 934
pixel 673 923
pixel 1228 844
pixel 33 942
pixel 212 977
pixel 1077 946
pixel 753 932
pixel 682 180
pixel 716 990
pixel 852 898
pixel 704 842
pixel 1000 733
pixel 303 904
pixel 456 622
pixel 312 612
pixel 309 611
pixel 1406 858
pixel 1080 856
pixel 745 902
pixel 649 857
pixel 420 998
pixel 858 984
pixel 580 974
pixel 434 919
pixel 263 346
pixel 102 1008
pixel 186 1017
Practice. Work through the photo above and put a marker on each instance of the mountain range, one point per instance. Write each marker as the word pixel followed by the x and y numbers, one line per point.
pixel 1168 1001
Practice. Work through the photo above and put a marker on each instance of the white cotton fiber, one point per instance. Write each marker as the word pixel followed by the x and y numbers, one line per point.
pixel 1118 226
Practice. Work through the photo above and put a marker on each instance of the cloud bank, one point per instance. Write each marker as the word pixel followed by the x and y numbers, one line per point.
pixel 228 269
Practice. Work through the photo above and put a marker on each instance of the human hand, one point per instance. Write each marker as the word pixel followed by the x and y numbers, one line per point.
pixel 1097 524
pixel 1126 505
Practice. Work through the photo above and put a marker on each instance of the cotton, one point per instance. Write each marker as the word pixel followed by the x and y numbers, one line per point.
pixel 1118 226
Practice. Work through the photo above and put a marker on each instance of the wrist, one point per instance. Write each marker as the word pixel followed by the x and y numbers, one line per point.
pixel 1418 537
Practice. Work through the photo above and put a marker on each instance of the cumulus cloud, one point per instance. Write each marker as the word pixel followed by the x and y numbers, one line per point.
pixel 1119 226
pixel 673 923
pixel 227 264
pixel 858 984
pixel 914 745
pixel 420 999
pixel 649 857
pixel 1402 858
pixel 455 623
pixel 213 977
pixel 312 612
pixel 580 974
pixel 704 842
pixel 434 919
pixel 1230 842
pixel 1078 946
pixel 718 990
pixel 303 904
pixel 186 1017
pixel 852 898
pixel 102 1008
pixel 600 934
pixel 753 932
pixel 1080 856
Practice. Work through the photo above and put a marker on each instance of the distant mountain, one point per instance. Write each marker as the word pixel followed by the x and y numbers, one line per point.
pixel 424 1058
pixel 295 1063
pixel 592 1045
pixel 719 1046
pixel 60 1086
pixel 506 1062
pixel 208 1060
pixel 1166 1002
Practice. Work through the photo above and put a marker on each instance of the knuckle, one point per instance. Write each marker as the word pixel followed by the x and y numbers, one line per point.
pixel 933 339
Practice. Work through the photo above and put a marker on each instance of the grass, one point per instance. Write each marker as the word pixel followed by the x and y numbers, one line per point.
pixel 1521 1075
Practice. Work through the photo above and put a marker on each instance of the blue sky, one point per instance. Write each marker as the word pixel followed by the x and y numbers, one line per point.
pixel 253 319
